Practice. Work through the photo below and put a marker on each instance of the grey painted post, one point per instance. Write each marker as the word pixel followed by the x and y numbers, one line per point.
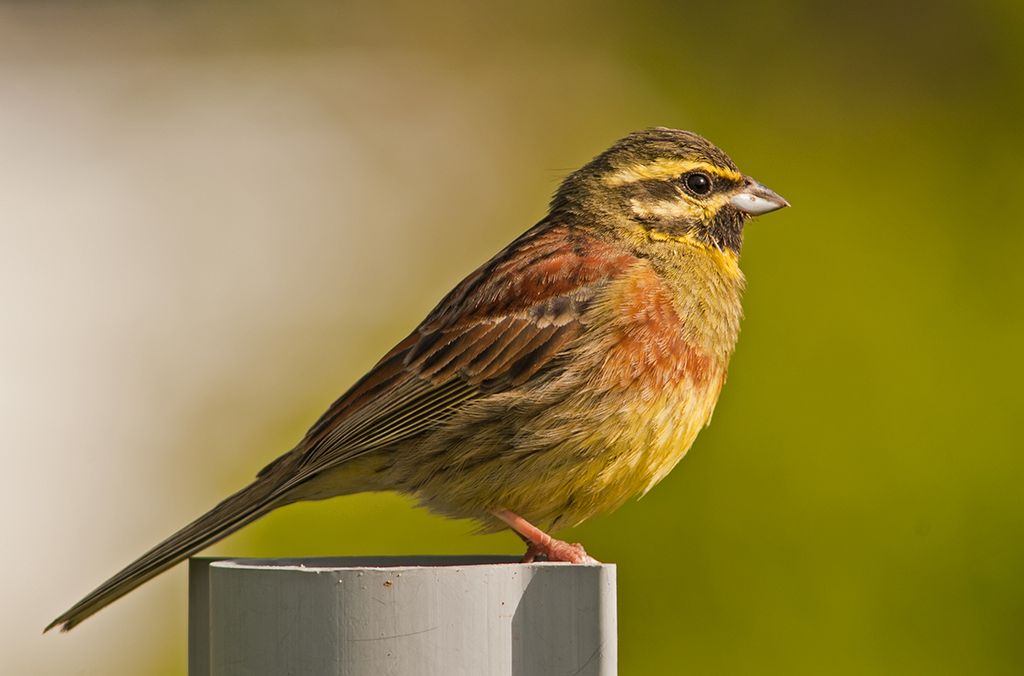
pixel 401 616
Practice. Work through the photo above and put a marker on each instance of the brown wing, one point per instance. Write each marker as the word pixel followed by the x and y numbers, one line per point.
pixel 500 326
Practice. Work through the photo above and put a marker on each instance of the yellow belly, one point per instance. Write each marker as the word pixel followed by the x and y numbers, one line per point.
pixel 561 466
pixel 624 455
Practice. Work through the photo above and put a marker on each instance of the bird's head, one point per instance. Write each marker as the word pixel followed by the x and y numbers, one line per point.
pixel 671 183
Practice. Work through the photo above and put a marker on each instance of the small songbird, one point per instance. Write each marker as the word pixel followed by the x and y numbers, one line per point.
pixel 567 374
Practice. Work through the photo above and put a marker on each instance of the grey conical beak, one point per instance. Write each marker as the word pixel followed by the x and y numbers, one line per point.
pixel 755 199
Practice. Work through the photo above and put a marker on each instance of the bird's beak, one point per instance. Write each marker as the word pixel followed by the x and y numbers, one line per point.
pixel 755 199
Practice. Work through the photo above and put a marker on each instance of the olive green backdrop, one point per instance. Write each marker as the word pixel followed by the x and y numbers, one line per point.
pixel 854 508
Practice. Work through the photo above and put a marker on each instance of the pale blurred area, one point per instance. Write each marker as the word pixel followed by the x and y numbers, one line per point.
pixel 214 218
pixel 207 235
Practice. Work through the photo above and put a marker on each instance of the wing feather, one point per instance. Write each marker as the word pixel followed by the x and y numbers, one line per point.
pixel 505 323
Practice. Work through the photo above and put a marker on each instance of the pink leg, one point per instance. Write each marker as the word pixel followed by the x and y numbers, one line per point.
pixel 540 543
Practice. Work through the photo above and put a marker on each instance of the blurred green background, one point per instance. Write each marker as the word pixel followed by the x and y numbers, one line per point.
pixel 220 215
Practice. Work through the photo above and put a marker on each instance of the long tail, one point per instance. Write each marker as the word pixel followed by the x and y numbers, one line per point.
pixel 235 511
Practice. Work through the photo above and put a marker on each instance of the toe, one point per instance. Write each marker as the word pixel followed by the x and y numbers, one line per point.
pixel 569 553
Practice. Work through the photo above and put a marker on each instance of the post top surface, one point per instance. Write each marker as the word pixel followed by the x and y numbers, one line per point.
pixel 316 564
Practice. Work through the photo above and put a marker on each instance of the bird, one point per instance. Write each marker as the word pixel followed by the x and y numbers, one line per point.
pixel 564 376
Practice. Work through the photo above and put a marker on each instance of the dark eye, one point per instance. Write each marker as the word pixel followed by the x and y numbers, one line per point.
pixel 698 183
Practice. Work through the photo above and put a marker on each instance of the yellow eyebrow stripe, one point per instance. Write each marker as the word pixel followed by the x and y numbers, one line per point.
pixel 665 169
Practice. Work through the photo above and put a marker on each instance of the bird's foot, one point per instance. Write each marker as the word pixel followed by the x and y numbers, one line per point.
pixel 540 543
pixel 558 550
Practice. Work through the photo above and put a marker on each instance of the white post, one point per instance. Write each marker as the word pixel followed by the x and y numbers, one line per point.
pixel 400 616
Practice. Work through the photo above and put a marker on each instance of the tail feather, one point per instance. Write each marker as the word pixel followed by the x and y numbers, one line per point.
pixel 229 515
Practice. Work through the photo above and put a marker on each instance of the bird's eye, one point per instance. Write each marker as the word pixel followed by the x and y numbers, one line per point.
pixel 698 183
